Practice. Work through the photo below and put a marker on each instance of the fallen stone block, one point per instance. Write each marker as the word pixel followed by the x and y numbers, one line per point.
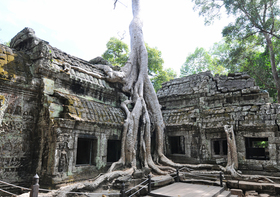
pixel 232 184
pixel 244 185
pixel 264 195
pixel 251 193
pixel 237 192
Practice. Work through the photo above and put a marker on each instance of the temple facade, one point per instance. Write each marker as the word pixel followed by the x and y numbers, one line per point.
pixel 61 120
pixel 196 108
pixel 58 118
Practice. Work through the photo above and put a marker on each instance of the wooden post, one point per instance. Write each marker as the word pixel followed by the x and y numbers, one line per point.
pixel 123 190
pixel 177 175
pixel 221 179
pixel 35 188
pixel 150 184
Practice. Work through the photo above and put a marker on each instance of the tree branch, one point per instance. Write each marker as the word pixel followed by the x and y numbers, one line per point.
pixel 272 16
pixel 260 78
pixel 264 13
pixel 250 34
pixel 115 3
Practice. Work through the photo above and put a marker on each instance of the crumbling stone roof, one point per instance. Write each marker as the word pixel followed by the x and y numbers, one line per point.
pixel 55 60
pixel 82 109
pixel 205 83
pixel 208 102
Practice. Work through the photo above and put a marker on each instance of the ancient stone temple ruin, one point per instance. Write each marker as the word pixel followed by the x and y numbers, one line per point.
pixel 60 119
pixel 197 107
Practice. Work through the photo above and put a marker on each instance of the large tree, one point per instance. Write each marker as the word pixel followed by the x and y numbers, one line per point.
pixel 202 60
pixel 163 76
pixel 254 59
pixel 145 117
pixel 117 54
pixel 254 17
pixel 143 114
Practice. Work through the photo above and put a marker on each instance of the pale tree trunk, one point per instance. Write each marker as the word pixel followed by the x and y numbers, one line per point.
pixel 145 116
pixel 232 161
pixel 273 65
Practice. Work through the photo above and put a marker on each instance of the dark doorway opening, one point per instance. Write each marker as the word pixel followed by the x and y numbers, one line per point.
pixel 219 147
pixel 113 150
pixel 257 148
pixel 177 144
pixel 86 151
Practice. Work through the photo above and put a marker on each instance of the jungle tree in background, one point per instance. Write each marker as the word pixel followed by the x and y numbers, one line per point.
pixel 252 18
pixel 117 52
pixel 202 60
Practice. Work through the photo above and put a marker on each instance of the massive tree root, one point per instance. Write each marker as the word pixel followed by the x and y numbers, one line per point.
pixel 145 116
pixel 232 159
pixel 143 112
pixel 91 185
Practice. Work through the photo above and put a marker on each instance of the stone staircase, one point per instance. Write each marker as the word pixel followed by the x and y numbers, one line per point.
pixel 226 194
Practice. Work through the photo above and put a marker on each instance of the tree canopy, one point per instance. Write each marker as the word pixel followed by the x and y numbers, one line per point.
pixel 117 54
pixel 255 20
pixel 202 60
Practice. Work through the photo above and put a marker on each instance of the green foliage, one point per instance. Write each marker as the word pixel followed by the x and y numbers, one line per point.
pixel 260 144
pixel 117 52
pixel 163 76
pixel 155 61
pixel 7 43
pixel 253 38
pixel 253 58
pixel 202 60
pixel 196 62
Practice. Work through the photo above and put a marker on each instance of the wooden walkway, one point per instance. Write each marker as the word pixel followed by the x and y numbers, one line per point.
pixel 187 190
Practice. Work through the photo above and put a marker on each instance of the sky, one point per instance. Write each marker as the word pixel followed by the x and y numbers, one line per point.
pixel 83 27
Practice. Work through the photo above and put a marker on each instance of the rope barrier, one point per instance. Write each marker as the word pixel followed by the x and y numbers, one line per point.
pixel 7 192
pixel 24 188
pixel 136 186
pixel 86 193
pixel 47 190
pixel 139 190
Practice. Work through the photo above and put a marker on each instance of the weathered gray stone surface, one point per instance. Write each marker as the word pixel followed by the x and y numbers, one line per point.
pixel 197 107
pixel 48 100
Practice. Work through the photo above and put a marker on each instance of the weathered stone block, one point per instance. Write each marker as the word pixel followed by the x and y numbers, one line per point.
pixel 233 184
pixel 266 187
pixel 244 185
pixel 277 188
pixel 237 192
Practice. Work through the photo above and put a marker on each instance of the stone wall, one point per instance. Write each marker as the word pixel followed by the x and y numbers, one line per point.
pixel 18 115
pixel 195 109
pixel 54 107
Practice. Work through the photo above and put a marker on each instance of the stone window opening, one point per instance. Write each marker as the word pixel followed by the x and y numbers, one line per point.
pixel 219 147
pixel 86 151
pixel 177 144
pixel 257 148
pixel 113 150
